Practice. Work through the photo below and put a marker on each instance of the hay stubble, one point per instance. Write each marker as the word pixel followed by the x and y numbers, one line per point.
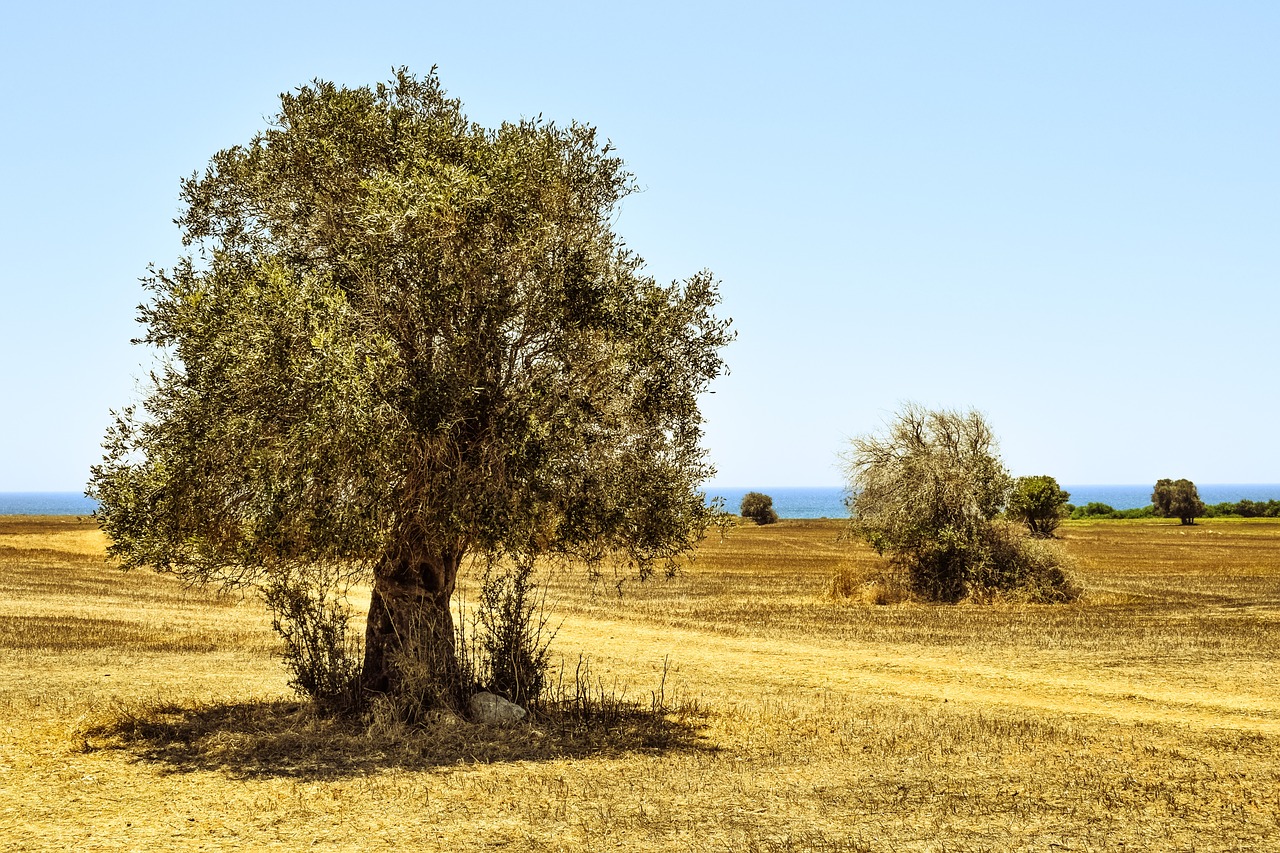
pixel 1143 717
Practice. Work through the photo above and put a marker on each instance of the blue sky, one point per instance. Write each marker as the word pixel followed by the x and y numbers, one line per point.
pixel 1064 215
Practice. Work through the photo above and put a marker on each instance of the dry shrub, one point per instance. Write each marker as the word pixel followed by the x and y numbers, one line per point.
pixel 513 634
pixel 432 674
pixel 1007 565
pixel 311 614
pixel 502 646
pixel 1017 567
pixel 880 585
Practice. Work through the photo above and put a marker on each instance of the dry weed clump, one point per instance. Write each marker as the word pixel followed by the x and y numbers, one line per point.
pixel 1017 569
pixel 878 585
pixel 1022 569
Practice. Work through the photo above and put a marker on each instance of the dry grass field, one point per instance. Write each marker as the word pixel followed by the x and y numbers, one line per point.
pixel 139 715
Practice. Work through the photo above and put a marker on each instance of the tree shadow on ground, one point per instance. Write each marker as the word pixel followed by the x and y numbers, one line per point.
pixel 264 739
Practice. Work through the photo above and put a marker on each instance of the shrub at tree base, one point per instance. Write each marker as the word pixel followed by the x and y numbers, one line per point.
pixel 513 635
pixel 312 617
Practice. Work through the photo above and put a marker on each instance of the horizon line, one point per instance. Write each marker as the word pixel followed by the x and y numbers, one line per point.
pixel 1062 483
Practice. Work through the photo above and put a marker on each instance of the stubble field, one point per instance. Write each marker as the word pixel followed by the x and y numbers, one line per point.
pixel 136 714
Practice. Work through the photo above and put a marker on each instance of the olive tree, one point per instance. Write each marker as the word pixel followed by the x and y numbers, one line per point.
pixel 1038 503
pixel 402 341
pixel 1177 499
pixel 927 492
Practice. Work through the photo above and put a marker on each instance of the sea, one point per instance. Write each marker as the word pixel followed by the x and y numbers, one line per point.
pixel 788 501
pixel 828 501
pixel 46 503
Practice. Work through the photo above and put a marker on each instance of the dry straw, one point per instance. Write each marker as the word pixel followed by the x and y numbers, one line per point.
pixel 138 714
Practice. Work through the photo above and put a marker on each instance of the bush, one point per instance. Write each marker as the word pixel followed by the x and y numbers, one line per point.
pixel 1016 567
pixel 1093 509
pixel 758 508
pixel 927 493
pixel 1245 509
pixel 512 635
pixel 923 494
pixel 312 617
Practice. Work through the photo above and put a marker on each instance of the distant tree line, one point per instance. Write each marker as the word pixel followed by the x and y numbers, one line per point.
pixel 1227 509
pixel 1244 509
pixel 1096 509
pixel 1169 499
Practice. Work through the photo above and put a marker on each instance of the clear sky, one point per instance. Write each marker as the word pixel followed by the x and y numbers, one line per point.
pixel 1065 215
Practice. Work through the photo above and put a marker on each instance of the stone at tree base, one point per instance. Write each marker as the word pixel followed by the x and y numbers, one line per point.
pixel 492 710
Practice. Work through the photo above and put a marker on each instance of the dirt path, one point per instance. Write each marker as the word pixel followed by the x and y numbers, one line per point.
pixel 733 668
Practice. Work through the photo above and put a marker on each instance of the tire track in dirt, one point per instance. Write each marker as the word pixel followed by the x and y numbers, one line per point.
pixel 746 667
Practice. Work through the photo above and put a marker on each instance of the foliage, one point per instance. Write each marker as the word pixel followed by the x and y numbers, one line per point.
pixel 758 508
pixel 403 340
pixel 927 492
pixel 513 636
pixel 1038 503
pixel 312 617
pixel 1177 499
pixel 1016 567
pixel 1095 509
pixel 1245 508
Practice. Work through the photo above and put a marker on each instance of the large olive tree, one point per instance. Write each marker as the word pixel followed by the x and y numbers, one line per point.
pixel 403 340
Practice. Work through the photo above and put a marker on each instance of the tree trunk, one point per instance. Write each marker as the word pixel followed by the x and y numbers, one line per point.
pixel 410 649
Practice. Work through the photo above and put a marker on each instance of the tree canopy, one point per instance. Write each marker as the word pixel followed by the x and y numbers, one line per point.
pixel 401 340
pixel 1177 499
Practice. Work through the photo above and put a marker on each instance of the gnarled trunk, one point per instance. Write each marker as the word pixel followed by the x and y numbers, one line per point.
pixel 410 649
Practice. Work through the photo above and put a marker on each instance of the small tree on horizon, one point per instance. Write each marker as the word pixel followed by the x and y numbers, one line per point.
pixel 1038 503
pixel 1177 499
pixel 758 508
